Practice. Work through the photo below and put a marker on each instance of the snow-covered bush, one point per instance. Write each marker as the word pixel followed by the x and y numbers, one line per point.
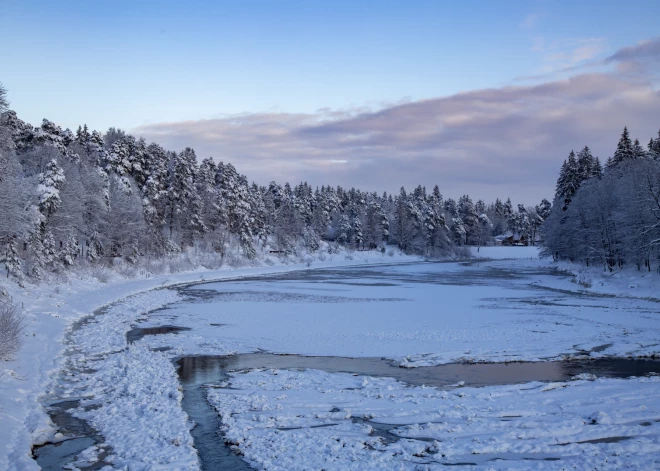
pixel 11 327
pixel 101 273
pixel 462 252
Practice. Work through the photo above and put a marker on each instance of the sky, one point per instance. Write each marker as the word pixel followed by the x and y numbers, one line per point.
pixel 478 97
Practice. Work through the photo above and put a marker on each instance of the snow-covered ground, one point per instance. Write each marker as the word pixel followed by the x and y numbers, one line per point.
pixel 415 313
pixel 51 311
pixel 301 420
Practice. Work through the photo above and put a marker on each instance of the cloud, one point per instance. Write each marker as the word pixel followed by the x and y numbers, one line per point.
pixel 530 21
pixel 566 55
pixel 490 143
pixel 645 50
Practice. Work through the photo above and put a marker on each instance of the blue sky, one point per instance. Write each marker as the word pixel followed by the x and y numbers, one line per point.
pixel 144 65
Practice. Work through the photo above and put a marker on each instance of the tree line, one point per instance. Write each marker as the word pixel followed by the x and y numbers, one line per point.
pixel 89 197
pixel 608 216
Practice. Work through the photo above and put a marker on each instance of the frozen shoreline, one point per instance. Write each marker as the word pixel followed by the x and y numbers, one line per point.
pixel 357 422
pixel 52 312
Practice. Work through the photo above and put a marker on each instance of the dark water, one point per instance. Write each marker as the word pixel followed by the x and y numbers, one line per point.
pixel 78 437
pixel 199 372
pixel 137 333
pixel 204 369
pixel 214 454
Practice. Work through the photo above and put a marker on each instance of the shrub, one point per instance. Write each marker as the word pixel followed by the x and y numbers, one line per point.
pixel 11 327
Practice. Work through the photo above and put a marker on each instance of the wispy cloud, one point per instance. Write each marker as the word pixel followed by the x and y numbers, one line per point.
pixel 645 50
pixel 531 20
pixel 567 54
pixel 494 142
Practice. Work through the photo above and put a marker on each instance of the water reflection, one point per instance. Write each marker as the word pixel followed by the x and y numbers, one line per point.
pixel 137 333
pixel 205 369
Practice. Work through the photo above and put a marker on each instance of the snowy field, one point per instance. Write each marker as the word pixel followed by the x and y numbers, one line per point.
pixel 414 313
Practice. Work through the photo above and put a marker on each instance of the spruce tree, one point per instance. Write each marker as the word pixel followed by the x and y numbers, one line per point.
pixel 11 258
pixel 624 150
pixel 638 151
pixel 50 183
pixel 69 251
pixel 95 248
pixel 654 148
pixel 597 170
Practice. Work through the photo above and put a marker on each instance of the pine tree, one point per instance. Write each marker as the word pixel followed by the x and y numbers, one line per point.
pixel 258 214
pixel 499 207
pixel 571 175
pixel 42 252
pixel 134 255
pixel 587 165
pixel 543 209
pixel 597 171
pixel 69 251
pixel 37 261
pixel 638 151
pixel 376 225
pixel 345 230
pixel 184 202
pixel 95 248
pixel 82 135
pixel 49 251
pixel 508 208
pixel 404 220
pixel 311 239
pixel 458 230
pixel 50 183
pixel 208 193
pixel 11 258
pixel 624 150
pixel 468 216
pixel 436 196
pixel 451 208
pixel 654 148
pixel 480 207
pixel 358 236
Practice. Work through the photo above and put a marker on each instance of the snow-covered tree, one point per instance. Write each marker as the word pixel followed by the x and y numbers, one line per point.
pixel 11 259
pixel 69 251
pixel 95 247
pixel 624 150
pixel 50 183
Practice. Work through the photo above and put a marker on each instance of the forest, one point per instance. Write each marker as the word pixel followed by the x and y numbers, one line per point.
pixel 608 216
pixel 111 199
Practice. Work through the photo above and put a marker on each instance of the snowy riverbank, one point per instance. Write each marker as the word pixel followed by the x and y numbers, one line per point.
pixel 132 396
pixel 50 312
pixel 275 417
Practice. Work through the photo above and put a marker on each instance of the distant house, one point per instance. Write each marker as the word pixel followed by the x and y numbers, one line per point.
pixel 512 239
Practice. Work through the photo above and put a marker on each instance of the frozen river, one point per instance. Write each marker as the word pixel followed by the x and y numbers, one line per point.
pixel 392 382
pixel 417 314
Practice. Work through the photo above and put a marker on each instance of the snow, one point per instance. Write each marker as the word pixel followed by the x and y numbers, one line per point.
pixel 628 282
pixel 504 253
pixel 418 315
pixel 51 312
pixel 275 416
pixel 507 305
